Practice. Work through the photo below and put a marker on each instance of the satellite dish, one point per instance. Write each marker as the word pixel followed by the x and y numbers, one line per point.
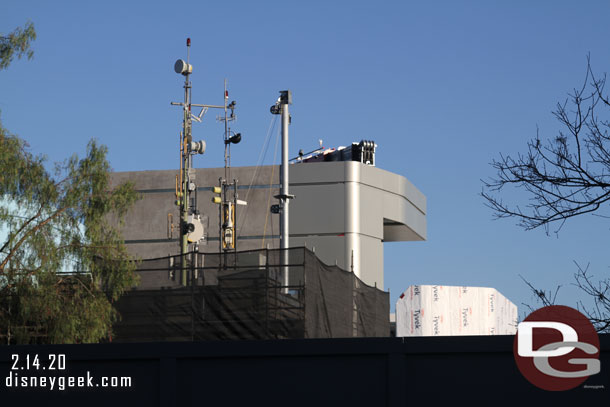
pixel 196 229
pixel 198 147
pixel 182 67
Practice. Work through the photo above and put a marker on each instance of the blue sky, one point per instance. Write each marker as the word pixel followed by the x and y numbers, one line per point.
pixel 442 87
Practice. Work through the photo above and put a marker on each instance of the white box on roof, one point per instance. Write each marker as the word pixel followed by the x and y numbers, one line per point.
pixel 437 310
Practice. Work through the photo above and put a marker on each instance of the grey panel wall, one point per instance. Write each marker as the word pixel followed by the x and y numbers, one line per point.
pixel 345 210
pixel 148 231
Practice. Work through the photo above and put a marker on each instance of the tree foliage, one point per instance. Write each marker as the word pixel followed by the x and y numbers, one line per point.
pixel 564 177
pixel 62 260
pixel 16 44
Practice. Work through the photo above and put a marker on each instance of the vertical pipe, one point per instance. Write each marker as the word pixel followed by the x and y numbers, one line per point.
pixel 185 167
pixel 234 220
pixel 226 97
pixel 284 239
pixel 352 252
pixel 192 278
pixel 284 181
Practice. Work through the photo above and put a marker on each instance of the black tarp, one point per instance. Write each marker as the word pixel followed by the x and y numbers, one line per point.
pixel 244 295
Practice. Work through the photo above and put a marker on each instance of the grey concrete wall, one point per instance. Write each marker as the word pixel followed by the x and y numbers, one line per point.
pixel 345 210
pixel 147 230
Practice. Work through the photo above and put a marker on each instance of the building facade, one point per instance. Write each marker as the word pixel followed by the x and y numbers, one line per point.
pixel 343 210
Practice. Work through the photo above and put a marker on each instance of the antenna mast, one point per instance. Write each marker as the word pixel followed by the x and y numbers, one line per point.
pixel 191 228
pixel 227 228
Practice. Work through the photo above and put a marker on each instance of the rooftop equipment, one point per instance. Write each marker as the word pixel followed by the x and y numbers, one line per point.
pixel 363 152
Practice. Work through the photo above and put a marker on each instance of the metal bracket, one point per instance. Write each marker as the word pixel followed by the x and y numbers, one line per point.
pixel 170 226
pixel 284 197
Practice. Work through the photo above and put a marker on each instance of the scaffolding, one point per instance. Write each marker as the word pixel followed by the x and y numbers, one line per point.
pixel 243 295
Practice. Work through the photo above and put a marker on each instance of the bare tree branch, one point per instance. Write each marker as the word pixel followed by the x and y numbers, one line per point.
pixel 599 314
pixel 564 177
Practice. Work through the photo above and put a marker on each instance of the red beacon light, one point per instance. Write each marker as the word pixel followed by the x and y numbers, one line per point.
pixel 181 66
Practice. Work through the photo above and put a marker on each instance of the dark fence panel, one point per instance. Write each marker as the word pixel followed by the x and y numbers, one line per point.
pixel 244 296
pixel 311 372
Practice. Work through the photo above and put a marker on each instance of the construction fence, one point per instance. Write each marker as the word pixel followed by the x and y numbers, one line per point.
pixel 258 294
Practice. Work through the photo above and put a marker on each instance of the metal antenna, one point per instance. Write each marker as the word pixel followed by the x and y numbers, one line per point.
pixel 228 227
pixel 228 139
pixel 191 227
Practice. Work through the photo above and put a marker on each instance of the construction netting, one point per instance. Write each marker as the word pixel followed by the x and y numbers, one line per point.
pixel 259 294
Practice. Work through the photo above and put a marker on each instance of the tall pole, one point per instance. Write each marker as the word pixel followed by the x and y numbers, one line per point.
pixel 188 148
pixel 284 215
pixel 284 219
pixel 281 107
pixel 187 138
pixel 226 98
